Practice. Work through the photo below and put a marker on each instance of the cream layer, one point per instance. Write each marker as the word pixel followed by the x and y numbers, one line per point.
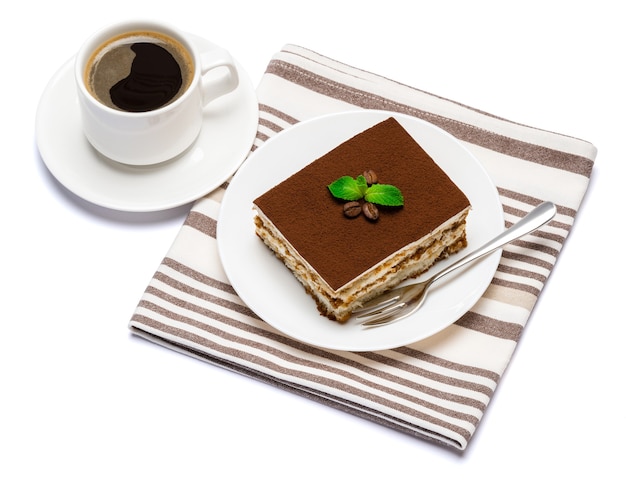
pixel 410 261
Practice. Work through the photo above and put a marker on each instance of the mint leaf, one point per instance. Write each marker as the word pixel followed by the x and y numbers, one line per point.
pixel 384 194
pixel 362 184
pixel 346 188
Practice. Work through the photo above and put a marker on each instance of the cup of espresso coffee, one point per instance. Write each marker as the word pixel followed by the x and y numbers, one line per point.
pixel 142 88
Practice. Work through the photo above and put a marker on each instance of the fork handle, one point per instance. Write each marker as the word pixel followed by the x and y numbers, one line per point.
pixel 539 216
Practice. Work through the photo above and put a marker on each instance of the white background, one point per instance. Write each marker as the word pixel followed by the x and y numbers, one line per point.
pixel 83 400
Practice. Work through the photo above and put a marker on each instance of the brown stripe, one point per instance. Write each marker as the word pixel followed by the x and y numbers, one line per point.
pixel 201 223
pixel 522 273
pixel 199 276
pixel 472 134
pixel 161 277
pixel 529 245
pixel 531 200
pixel 418 371
pixel 527 259
pixel 260 137
pixel 473 370
pixel 521 213
pixel 270 125
pixel 211 345
pixel 517 286
pixel 277 113
pixel 490 326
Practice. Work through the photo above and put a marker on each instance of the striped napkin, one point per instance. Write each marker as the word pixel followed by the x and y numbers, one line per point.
pixel 439 388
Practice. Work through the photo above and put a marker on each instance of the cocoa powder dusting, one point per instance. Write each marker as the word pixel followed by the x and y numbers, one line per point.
pixel 339 248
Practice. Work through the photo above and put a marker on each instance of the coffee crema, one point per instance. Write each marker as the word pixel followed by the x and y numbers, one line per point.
pixel 139 71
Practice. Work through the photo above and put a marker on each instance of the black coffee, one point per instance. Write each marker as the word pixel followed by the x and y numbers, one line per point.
pixel 139 71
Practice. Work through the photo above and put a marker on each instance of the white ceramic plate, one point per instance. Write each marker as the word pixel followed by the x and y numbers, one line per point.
pixel 229 129
pixel 274 294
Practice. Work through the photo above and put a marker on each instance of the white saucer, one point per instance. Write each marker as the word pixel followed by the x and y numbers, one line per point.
pixel 230 126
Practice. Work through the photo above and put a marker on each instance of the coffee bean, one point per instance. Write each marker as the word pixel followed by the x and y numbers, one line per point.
pixel 370 176
pixel 352 209
pixel 370 211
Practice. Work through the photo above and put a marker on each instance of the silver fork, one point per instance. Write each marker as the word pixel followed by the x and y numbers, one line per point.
pixel 404 301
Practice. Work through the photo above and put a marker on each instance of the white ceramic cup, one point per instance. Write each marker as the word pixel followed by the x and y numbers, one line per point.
pixel 144 138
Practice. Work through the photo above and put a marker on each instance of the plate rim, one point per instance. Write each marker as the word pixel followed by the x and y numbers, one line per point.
pixel 378 115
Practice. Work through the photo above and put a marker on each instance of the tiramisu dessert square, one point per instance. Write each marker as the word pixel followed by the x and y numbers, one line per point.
pixel 362 218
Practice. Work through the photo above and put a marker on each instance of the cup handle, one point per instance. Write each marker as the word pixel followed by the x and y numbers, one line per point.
pixel 217 84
